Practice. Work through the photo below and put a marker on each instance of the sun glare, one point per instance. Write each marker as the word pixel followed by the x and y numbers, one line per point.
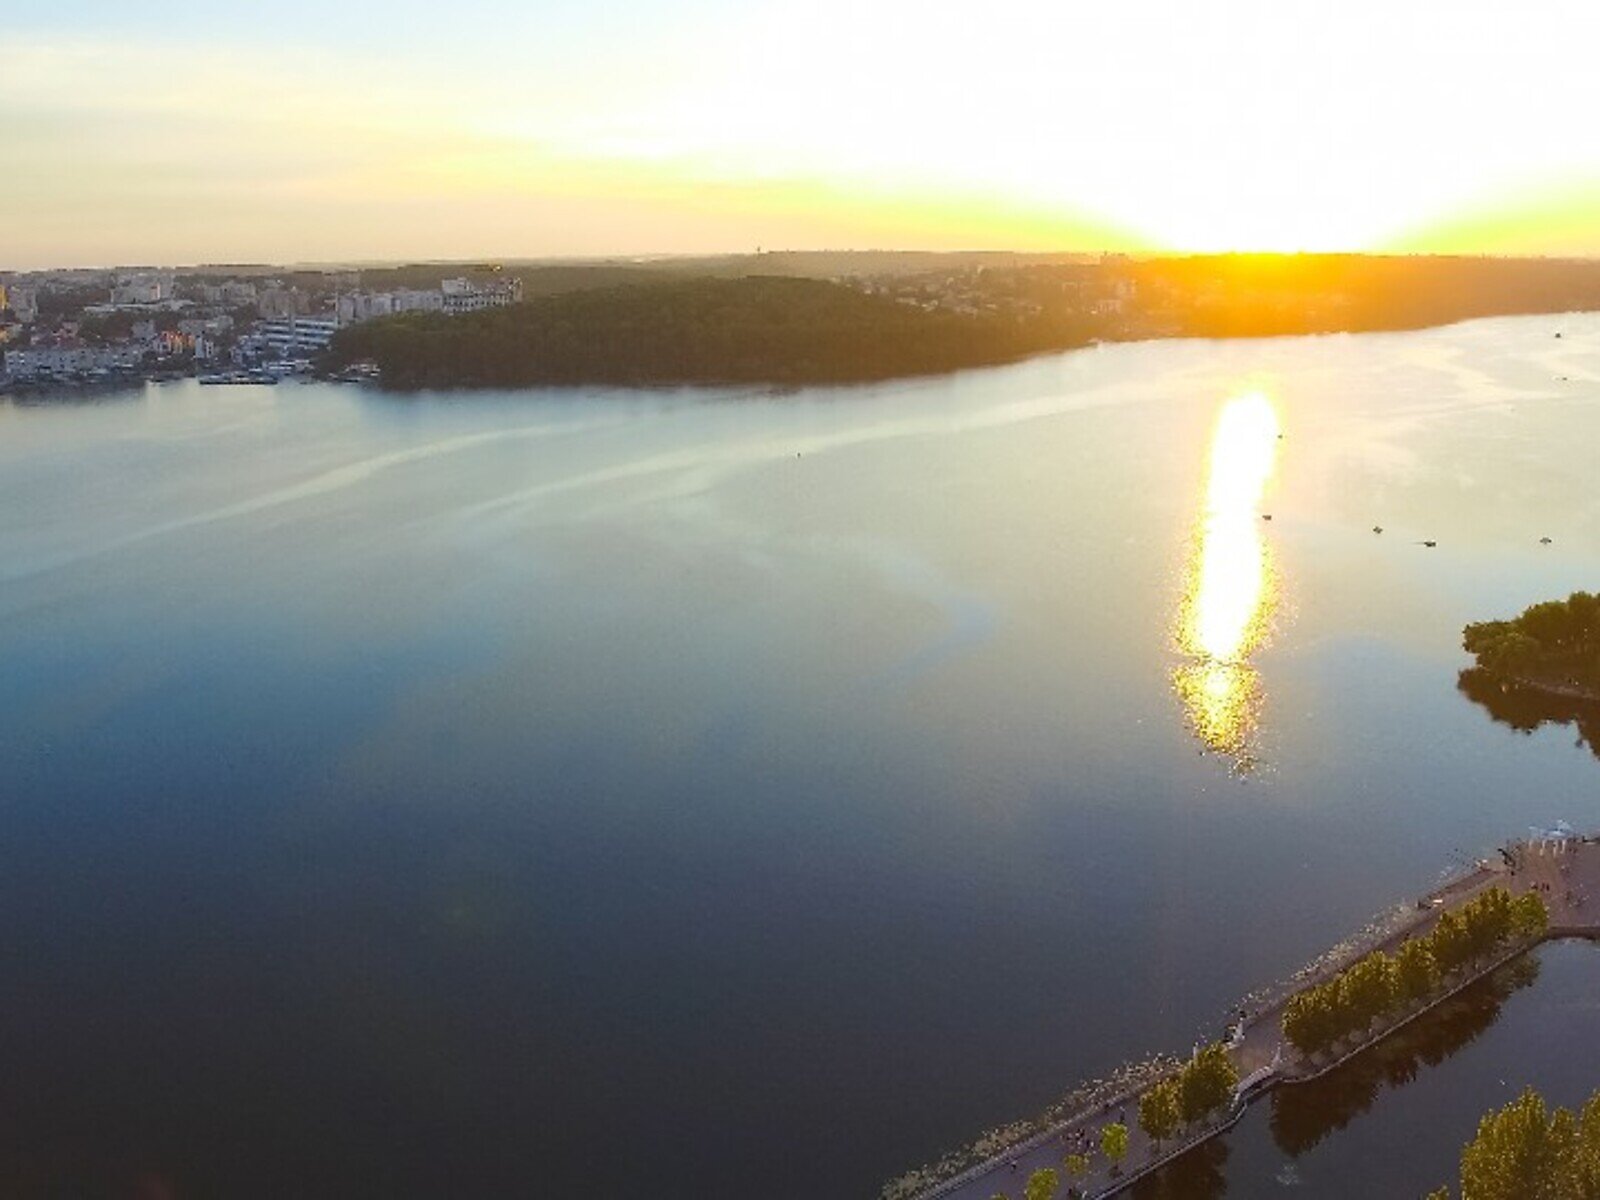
pixel 1228 602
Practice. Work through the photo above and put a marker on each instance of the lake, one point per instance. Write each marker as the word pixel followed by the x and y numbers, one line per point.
pixel 726 792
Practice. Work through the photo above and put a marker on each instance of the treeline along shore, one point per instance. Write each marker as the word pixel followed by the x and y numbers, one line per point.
pixel 678 327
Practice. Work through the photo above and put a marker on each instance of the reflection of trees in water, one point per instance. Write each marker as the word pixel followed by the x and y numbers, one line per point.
pixel 1525 709
pixel 1198 1175
pixel 1303 1115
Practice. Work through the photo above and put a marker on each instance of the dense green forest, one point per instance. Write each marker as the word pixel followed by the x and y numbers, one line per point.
pixel 751 330
pixel 1554 644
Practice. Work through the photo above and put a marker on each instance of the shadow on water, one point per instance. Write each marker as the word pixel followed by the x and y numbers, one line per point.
pixel 1199 1175
pixel 1306 1114
pixel 1525 709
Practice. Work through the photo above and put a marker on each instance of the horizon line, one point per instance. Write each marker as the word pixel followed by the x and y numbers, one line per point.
pixel 657 257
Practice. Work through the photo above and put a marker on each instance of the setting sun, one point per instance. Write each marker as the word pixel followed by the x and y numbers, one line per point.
pixel 712 126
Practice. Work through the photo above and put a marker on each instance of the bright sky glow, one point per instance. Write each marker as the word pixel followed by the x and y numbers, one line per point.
pixel 177 132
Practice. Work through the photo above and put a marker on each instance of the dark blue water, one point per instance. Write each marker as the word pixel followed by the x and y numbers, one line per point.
pixel 669 793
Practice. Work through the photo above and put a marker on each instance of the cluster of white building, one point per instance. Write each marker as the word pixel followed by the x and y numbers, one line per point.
pixel 354 307
pixel 453 297
pixel 286 328
pixel 56 362
pixel 293 337
pixel 464 296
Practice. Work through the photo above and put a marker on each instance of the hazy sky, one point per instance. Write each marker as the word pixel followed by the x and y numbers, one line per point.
pixel 345 129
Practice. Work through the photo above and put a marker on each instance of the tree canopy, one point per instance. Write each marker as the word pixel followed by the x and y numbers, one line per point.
pixel 1525 1152
pixel 1160 1111
pixel 1556 643
pixel 1041 1185
pixel 1377 985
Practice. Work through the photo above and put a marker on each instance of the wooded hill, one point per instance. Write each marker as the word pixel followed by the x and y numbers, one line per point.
pixel 751 330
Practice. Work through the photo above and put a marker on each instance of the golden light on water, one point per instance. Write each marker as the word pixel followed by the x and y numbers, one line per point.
pixel 1228 601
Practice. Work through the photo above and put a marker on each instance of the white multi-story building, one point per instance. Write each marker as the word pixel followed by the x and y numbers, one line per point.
pixel 464 296
pixel 409 300
pixel 355 307
pixel 298 335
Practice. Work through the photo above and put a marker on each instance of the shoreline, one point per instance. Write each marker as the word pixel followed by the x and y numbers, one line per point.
pixel 778 384
pixel 1567 691
pixel 867 379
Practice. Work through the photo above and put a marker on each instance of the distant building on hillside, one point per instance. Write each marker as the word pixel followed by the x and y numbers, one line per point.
pixel 277 303
pixel 24 303
pixel 355 307
pixel 143 289
pixel 464 296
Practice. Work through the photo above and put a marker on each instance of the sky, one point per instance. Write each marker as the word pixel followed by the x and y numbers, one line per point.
pixel 347 130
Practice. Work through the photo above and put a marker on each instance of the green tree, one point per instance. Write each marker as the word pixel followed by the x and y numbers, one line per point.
pixel 1159 1111
pixel 1449 943
pixel 1206 1083
pixel 1519 1153
pixel 1308 1021
pixel 1529 916
pixel 1487 921
pixel 1416 972
pixel 1368 989
pixel 1585 1173
pixel 1114 1144
pixel 1041 1185
pixel 1076 1165
pixel 1558 640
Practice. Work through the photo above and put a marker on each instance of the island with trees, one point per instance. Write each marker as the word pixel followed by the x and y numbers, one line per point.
pixel 1552 647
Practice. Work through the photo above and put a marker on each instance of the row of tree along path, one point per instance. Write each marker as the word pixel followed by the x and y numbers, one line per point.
pixel 1533 891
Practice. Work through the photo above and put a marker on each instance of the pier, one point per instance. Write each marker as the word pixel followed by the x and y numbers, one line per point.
pixel 1563 868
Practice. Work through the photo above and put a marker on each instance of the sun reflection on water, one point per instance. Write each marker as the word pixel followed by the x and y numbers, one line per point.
pixel 1229 597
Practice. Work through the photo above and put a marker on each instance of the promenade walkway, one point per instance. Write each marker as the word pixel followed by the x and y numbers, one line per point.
pixel 1565 871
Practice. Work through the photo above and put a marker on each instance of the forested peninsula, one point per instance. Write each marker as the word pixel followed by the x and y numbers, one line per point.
pixel 763 320
pixel 1553 646
pixel 751 330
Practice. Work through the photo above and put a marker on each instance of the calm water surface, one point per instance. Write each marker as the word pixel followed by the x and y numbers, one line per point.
pixel 728 793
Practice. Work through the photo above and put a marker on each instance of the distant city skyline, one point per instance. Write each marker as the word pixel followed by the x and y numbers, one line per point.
pixel 183 133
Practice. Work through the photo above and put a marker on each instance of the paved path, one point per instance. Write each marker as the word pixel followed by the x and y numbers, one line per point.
pixel 1568 876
